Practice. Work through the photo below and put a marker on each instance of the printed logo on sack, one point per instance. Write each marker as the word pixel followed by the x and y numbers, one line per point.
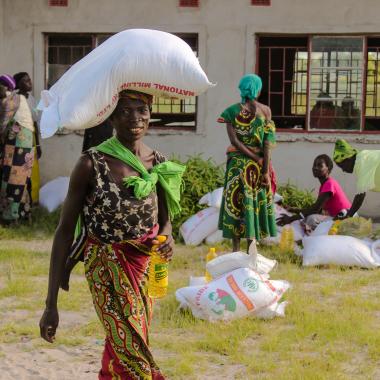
pixel 222 301
pixel 251 284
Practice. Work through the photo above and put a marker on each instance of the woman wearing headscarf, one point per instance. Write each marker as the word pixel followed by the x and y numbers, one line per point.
pixel 247 205
pixel 127 193
pixel 365 165
pixel 24 87
pixel 17 131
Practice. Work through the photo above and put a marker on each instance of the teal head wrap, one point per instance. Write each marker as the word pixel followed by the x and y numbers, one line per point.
pixel 250 86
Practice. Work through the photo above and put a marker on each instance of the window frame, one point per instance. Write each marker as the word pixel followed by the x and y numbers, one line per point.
pixel 307 129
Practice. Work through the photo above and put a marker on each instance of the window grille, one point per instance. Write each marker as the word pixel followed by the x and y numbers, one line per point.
pixel 189 3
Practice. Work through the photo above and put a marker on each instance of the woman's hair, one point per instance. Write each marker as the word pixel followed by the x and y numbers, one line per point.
pixel 250 86
pixel 17 77
pixel 327 159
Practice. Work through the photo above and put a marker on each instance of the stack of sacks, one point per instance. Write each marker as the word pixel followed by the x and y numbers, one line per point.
pixel 150 61
pixel 204 224
pixel 239 289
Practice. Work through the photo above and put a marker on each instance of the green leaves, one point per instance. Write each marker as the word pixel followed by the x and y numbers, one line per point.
pixel 200 177
pixel 295 197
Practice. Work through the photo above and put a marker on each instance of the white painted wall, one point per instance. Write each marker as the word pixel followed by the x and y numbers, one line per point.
pixel 226 49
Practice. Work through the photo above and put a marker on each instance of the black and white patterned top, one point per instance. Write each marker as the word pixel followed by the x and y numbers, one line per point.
pixel 111 213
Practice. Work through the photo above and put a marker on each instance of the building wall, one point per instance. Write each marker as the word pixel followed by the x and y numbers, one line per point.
pixel 226 49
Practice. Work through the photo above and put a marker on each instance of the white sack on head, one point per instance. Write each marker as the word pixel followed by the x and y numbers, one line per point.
pixel 150 61
pixel 338 250
pixel 199 226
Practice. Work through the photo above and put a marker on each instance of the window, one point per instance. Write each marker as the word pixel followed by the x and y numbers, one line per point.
pixel 63 50
pixel 58 3
pixel 176 113
pixel 321 83
pixel 260 2
pixel 189 3
pixel 283 69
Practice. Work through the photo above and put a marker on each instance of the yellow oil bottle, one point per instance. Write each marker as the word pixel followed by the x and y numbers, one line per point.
pixel 287 239
pixel 210 255
pixel 158 272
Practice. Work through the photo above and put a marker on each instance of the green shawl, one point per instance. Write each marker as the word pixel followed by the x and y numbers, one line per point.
pixel 168 174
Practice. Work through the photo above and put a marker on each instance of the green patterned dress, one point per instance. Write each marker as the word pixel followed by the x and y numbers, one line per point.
pixel 247 207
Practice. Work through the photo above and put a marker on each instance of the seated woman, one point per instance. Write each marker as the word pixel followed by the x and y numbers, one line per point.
pixel 332 202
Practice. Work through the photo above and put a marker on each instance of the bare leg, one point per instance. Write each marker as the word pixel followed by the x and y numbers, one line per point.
pixel 236 244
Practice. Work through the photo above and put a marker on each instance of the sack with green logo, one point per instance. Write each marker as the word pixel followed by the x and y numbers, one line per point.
pixel 234 295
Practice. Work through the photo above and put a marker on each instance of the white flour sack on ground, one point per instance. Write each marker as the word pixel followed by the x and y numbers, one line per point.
pixel 234 295
pixel 234 260
pixel 199 226
pixel 53 193
pixel 338 250
pixel 150 61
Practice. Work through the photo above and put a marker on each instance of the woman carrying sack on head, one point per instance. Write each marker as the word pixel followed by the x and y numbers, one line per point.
pixel 128 193
pixel 247 206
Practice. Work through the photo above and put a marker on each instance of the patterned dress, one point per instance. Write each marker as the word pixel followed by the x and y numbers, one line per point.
pixel 16 160
pixel 116 258
pixel 247 207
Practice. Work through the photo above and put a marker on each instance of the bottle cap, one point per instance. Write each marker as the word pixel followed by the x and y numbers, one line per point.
pixel 161 238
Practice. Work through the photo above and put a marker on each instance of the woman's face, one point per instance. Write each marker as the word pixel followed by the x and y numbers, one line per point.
pixel 320 169
pixel 25 84
pixel 130 119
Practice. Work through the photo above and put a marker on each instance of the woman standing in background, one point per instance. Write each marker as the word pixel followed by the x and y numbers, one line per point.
pixel 247 205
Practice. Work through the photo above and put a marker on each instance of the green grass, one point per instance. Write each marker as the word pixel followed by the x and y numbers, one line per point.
pixel 331 329
pixel 41 226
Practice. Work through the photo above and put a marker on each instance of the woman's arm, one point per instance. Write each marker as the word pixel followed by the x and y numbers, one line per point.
pixel 240 146
pixel 79 184
pixel 313 209
pixel 356 204
pixel 166 248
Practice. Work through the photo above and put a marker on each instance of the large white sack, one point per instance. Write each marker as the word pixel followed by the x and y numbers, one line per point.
pixel 215 237
pixel 323 228
pixel 212 199
pixel 151 61
pixel 338 250
pixel 234 260
pixel 234 295
pixel 199 226
pixel 53 193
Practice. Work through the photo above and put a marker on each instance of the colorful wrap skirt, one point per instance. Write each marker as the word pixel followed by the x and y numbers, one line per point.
pixel 247 207
pixel 117 275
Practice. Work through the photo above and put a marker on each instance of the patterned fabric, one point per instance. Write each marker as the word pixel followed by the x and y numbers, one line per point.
pixel 16 165
pixel 247 207
pixel 117 275
pixel 112 213
pixel 137 95
pixel 343 150
pixel 8 108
